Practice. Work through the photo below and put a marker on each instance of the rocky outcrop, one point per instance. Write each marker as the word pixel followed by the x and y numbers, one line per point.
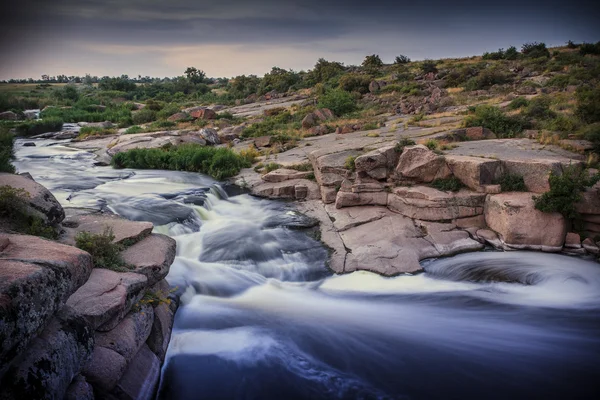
pixel 203 113
pixel 314 118
pixel 151 257
pixel 475 172
pixel 284 174
pixel 377 164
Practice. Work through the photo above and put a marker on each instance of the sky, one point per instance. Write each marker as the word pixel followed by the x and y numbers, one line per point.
pixel 226 38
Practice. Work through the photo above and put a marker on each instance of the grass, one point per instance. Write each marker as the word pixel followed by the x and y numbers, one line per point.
pixel 512 183
pixel 37 127
pixel 6 151
pixel 350 163
pixel 220 163
pixel 452 184
pixel 88 131
pixel 104 252
pixel 271 167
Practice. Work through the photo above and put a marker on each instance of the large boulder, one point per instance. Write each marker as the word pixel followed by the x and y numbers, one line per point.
pixel 8 116
pixel 104 369
pixel 309 121
pixel 210 135
pixel 535 173
pixel 203 113
pixel 474 172
pixel 420 164
pixel 520 225
pixel 180 116
pixel 378 163
pixel 151 257
pixel 39 201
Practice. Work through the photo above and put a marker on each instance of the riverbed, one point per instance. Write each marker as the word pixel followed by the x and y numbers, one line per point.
pixel 262 317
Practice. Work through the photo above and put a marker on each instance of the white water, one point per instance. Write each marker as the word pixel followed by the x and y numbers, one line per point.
pixel 261 316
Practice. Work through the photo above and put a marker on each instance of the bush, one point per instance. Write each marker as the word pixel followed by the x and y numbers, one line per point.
pixel 167 111
pixel 494 119
pixel 6 152
pixel 134 129
pixel 338 101
pixel 250 154
pixel 220 163
pixel 143 116
pixel 401 59
pixel 399 148
pixel 486 79
pixel 535 50
pixel 589 48
pixel 432 144
pixel 270 167
pixel 104 252
pixel 37 127
pixel 565 191
pixel 269 125
pixel 512 183
pixel 429 66
pixel 350 163
pixel 571 45
pixel 87 131
pixel 519 102
pixel 510 54
pixel 592 133
pixel 539 108
pixel 355 83
pixel 452 184
pixel 588 104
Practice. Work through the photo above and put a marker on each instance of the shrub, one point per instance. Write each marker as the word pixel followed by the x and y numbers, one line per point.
pixel 134 129
pixel 539 108
pixel 250 154
pixel 401 59
pixel 355 83
pixel 304 167
pixel 399 148
pixel 37 127
pixel 338 101
pixel 271 167
pixel 565 191
pixel 519 102
pixel 372 63
pixel 167 111
pixel 511 53
pixel 535 50
pixel 429 66
pixel 494 119
pixel 143 116
pixel 452 184
pixel 589 48
pixel 350 163
pixel 88 131
pixel 162 124
pixel 486 79
pixel 324 71
pixel 592 133
pixel 220 163
pixel 512 183
pixel 269 125
pixel 104 252
pixel 571 45
pixel 6 152
pixel 432 144
pixel 588 104
pixel 562 123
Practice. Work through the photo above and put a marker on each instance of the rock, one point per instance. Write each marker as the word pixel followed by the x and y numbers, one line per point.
pixel 140 380
pixel 8 116
pixel 106 296
pixel 160 333
pixel 421 164
pixel 324 114
pixel 138 106
pixel 40 202
pixel 580 146
pixel 301 192
pixel 477 221
pixel 105 369
pixel 590 246
pixel 492 189
pixel 573 241
pixel 429 204
pixel 210 135
pixel 286 189
pixel 51 361
pixel 309 121
pixel 341 130
pixel 490 237
pixel 535 173
pixel 127 337
pixel 180 116
pixel 377 163
pixel 151 257
pixel 479 133
pixel 28 144
pixel 54 270
pixel 514 217
pixel 283 174
pixel 589 205
pixel 474 172
pixel 319 130
pixel 262 141
pixel 328 194
pixel 349 199
pixel 373 87
pixel 79 389
pixel 103 125
pixel 203 113
pixel 125 231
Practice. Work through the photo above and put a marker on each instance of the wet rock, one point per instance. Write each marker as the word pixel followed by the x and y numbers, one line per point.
pixel 40 202
pixel 590 246
pixel 160 333
pixel 286 189
pixel 210 135
pixel 141 377
pixel 151 257
pixel 125 231
pixel 514 217
pixel 573 241
pixel 79 389
pixel 421 164
pixel 28 144
pixel 490 237
pixel 105 369
pixel 51 361
pixel 474 172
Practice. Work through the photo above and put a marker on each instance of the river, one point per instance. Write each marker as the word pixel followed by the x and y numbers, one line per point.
pixel 263 318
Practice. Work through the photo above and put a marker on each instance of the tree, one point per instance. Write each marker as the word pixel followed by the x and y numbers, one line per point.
pixel 402 59
pixel 324 70
pixel 45 77
pixel 195 75
pixel 372 61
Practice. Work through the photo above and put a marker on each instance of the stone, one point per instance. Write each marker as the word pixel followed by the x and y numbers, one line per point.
pixel 160 332
pixel 514 217
pixel 107 295
pixel 324 114
pixel 284 174
pixel 40 201
pixel 309 121
pixel 492 189
pixel 349 199
pixel 589 205
pixel 573 241
pixel 51 361
pixel 203 113
pixel 477 221
pixel 479 133
pixel 141 377
pixel 474 172
pixel 180 116
pixel 319 130
pixel 342 130
pixel 79 389
pixel 28 144
pixel 590 246
pixel 350 217
pixel 374 86
pixel 131 333
pixel 535 173
pixel 421 164
pixel 377 163
pixel 300 192
pixel 125 231
pixel 489 237
pixel 328 194
pixel 210 135
pixel 263 141
pixel 286 189
pixel 105 369
pixel 8 116
pixel 151 256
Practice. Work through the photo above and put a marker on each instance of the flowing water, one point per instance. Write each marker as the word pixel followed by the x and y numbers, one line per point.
pixel 262 318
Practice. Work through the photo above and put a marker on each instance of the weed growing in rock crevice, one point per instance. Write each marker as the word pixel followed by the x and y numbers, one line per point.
pixel 104 252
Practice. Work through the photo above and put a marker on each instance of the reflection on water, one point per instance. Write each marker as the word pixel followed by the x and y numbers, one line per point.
pixel 262 318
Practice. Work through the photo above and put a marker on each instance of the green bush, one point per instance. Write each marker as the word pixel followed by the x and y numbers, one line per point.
pixel 167 111
pixel 519 102
pixel 486 79
pixel 401 59
pixel 432 144
pixel 270 125
pixel 143 116
pixel 399 148
pixel 95 131
pixel 429 66
pixel 592 133
pixel 565 191
pixel 134 129
pixel 350 163
pixel 535 50
pixel 452 184
pixel 495 120
pixel 354 82
pixel 588 104
pixel 512 183
pixel 104 252
pixel 539 108
pixel 270 167
pixel 220 163
pixel 37 127
pixel 338 101
pixel 589 48
pixel 6 152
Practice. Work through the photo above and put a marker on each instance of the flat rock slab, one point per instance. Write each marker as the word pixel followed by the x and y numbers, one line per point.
pixel 125 231
pixel 284 174
pixel 140 380
pixel 151 257
pixel 303 189
pixel 346 218
pixel 107 296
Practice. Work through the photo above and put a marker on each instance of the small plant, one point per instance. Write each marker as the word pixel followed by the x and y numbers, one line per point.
pixel 401 59
pixel 88 131
pixel 399 148
pixel 535 50
pixel 6 152
pixel 588 104
pixel 428 66
pixel 350 163
pixel 306 166
pixel 517 103
pixel 143 116
pixel 494 119
pixel 134 129
pixel 271 167
pixel 452 184
pixel 512 183
pixel 432 144
pixel 250 154
pixel 104 252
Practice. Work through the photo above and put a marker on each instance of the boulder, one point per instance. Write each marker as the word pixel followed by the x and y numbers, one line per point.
pixel 45 370
pixel 129 336
pixel 140 380
pixel 8 116
pixel 479 133
pixel 125 231
pixel 328 194
pixel 151 257
pixel 514 217
pixel 324 114
pixel 105 369
pixel 349 199
pixel 319 130
pixel 203 113
pixel 107 296
pixel 40 202
pixel 210 135
pixel 28 144
pixel 573 241
pixel 377 163
pixel 301 192
pixel 489 237
pixel 474 172
pixel 180 116
pixel 589 205
pixel 283 174
pixel 263 141
pixel 420 164
pixel 309 121
pixel 79 389
pixel 341 130
pixel 590 246
pixel 535 173
pixel 160 333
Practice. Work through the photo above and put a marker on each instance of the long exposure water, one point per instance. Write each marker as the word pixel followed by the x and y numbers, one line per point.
pixel 262 318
